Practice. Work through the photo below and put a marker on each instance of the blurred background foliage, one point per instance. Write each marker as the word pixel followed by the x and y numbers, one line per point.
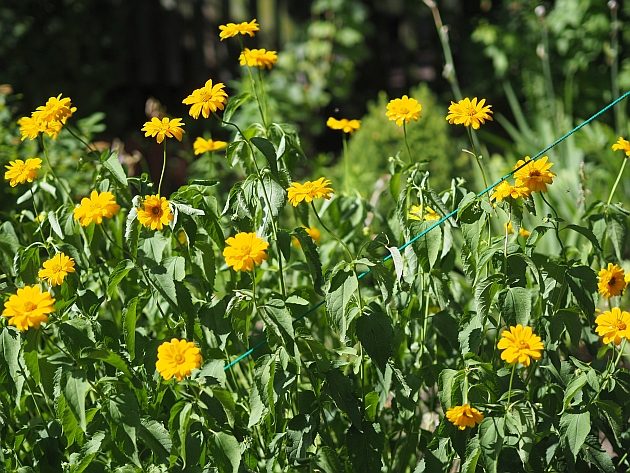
pixel 543 66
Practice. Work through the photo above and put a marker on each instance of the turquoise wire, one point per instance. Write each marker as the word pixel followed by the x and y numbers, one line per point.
pixel 446 217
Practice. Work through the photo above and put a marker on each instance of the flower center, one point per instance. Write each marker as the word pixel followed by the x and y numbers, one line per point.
pixel 523 345
pixel 611 282
pixel 179 358
pixel 621 325
pixel 157 211
pixel 30 306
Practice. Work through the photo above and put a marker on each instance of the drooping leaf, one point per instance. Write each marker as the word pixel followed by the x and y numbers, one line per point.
pixel 375 331
pixel 340 290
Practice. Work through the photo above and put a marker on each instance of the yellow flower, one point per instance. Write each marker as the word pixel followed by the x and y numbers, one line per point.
pixel 464 416
pixel 30 128
pixel 155 212
pixel 309 190
pixel 233 29
pixel 28 308
pixel 345 125
pixel 19 172
pixel 535 175
pixel 165 128
pixel 403 110
pixel 56 109
pixel 622 145
pixel 469 113
pixel 208 98
pixel 95 208
pixel 258 58
pixel 506 190
pixel 613 325
pixel 416 211
pixel 177 359
pixel 524 233
pixel 201 146
pixel 56 269
pixel 244 250
pixel 612 281
pixel 520 345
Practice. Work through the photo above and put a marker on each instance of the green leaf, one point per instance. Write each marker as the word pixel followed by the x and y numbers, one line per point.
pixel 340 389
pixel 116 170
pixel 586 233
pixel 278 320
pixel 75 388
pixel 312 258
pixel 427 248
pixel 371 405
pixel 515 304
pixel 364 448
pixel 233 104
pixel 111 358
pixel 573 388
pixel 268 150
pixel 491 437
pixel 226 452
pixel 328 460
pixel 156 438
pixel 117 275
pixel 175 267
pixel 470 333
pixel 448 387
pixel 573 430
pixel 80 461
pixel 375 331
pixel 154 246
pixel 484 293
pixel 340 290
pixel 54 224
pixel 130 316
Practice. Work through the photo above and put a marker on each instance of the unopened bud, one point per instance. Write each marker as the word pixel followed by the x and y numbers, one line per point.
pixel 613 5
pixel 540 11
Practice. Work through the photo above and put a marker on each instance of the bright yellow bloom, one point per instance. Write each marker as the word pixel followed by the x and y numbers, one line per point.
pixel 56 109
pixel 464 416
pixel 95 208
pixel 56 269
pixel 469 113
pixel 612 281
pixel 28 308
pixel 622 145
pixel 165 128
pixel 416 211
pixel 258 58
pixel 535 175
pixel 505 190
pixel 309 190
pixel 404 110
pixel 343 124
pixel 155 212
pixel 613 325
pixel 524 233
pixel 207 99
pixel 201 146
pixel 30 128
pixel 245 250
pixel 177 358
pixel 520 345
pixel 19 172
pixel 233 29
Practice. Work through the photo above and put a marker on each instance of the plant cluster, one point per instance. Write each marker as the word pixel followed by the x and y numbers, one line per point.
pixel 289 325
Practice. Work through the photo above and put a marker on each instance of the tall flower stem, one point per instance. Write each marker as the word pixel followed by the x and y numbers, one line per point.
pixel 473 143
pixel 163 169
pixel 465 387
pixel 331 233
pixel 274 230
pixel 510 388
pixel 407 142
pixel 346 165
pixel 614 187
pixel 39 226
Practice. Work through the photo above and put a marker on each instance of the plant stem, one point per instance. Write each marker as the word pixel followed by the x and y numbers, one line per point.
pixel 510 388
pixel 76 135
pixel 331 233
pixel 614 187
pixel 465 388
pixel 407 142
pixel 159 192
pixel 346 165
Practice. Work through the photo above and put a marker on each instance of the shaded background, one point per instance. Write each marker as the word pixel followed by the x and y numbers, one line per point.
pixel 112 56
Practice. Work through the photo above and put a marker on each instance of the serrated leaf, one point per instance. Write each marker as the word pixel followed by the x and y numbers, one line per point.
pixel 226 452
pixel 233 104
pixel 75 389
pixel 116 170
pixel 339 388
pixel 573 430
pixel 156 438
pixel 80 461
pixel 54 224
pixel 119 273
pixel 427 247
pixel 375 331
pixel 339 292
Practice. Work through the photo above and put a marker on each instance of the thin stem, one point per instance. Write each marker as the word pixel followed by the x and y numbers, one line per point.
pixel 37 222
pixel 346 165
pixel 614 187
pixel 331 233
pixel 258 101
pixel 163 169
pixel 465 388
pixel 76 135
pixel 407 142
pixel 477 157
pixel 65 191
pixel 510 388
